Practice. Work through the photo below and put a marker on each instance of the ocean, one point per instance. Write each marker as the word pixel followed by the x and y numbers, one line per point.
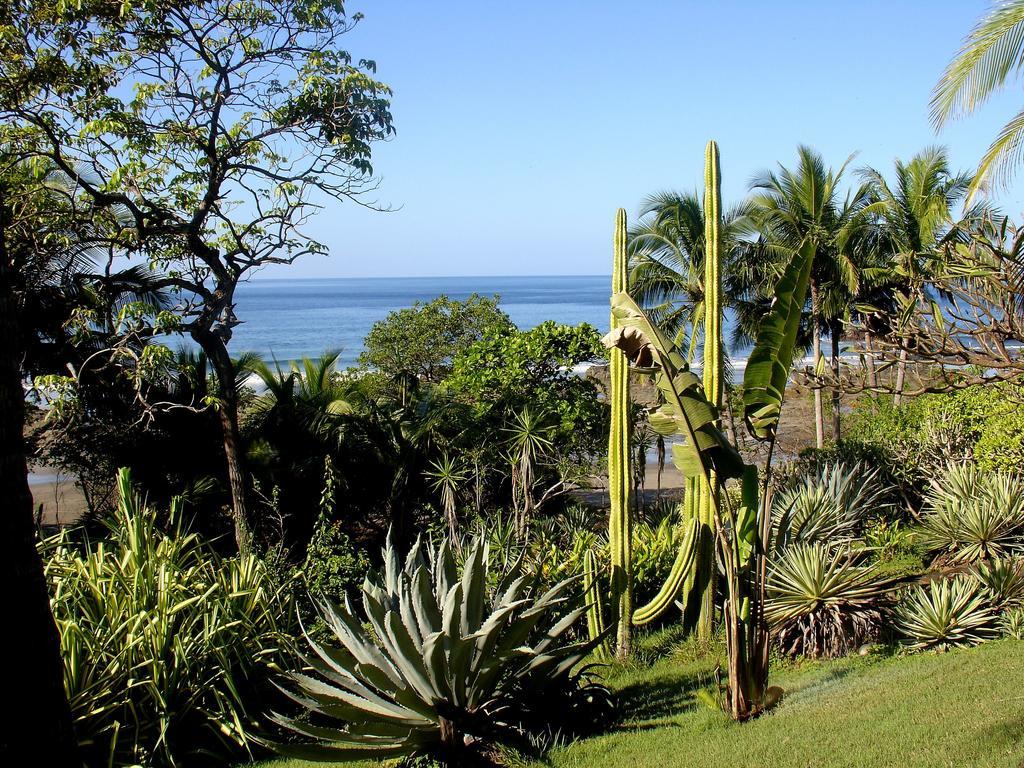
pixel 286 320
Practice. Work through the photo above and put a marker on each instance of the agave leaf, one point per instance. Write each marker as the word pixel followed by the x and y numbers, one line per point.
pixel 473 589
pixel 436 663
pixel 409 617
pixel 391 735
pixel 329 695
pixel 372 662
pixel 428 614
pixel 409 659
pixel 445 571
pixel 324 752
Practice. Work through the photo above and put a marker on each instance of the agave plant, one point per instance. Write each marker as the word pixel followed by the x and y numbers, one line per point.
pixel 1003 581
pixel 971 516
pixel 435 661
pixel 820 603
pixel 828 506
pixel 945 614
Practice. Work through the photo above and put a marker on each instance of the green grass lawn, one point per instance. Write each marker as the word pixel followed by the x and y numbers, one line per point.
pixel 964 708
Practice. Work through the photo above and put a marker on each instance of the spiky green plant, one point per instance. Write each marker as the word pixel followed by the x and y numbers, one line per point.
pixel 1003 581
pixel 972 516
pixel 829 505
pixel 1012 624
pixel 620 536
pixel 820 603
pixel 433 660
pixel 167 646
pixel 447 476
pixel 945 614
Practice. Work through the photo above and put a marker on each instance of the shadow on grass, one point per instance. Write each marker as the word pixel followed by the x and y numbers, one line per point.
pixel 1008 734
pixel 654 700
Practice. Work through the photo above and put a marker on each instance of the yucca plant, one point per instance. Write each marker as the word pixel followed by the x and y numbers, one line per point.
pixel 971 516
pixel 827 506
pixel 435 661
pixel 820 603
pixel 1003 582
pixel 945 614
pixel 1012 624
pixel 166 644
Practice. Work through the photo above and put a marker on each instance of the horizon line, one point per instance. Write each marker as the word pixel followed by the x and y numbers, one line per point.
pixel 257 278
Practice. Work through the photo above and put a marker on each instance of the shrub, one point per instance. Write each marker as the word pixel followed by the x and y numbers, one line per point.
pixel 442 661
pixel 919 438
pixel 819 603
pixel 971 515
pixel 558 549
pixel 945 614
pixel 827 506
pixel 889 540
pixel 165 643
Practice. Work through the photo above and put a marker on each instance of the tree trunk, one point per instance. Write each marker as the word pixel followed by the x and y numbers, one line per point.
pixel 901 376
pixel 835 332
pixel 661 462
pixel 37 720
pixel 869 361
pixel 217 352
pixel 819 410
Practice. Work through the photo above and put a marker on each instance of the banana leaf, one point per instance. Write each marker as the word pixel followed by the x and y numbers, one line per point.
pixel 764 382
pixel 685 409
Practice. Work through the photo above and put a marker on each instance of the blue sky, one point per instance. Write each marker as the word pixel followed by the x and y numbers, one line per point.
pixel 521 127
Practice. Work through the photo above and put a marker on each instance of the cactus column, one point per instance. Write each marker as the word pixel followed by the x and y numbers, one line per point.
pixel 712 375
pixel 620 529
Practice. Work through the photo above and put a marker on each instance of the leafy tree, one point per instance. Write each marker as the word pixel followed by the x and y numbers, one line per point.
pixel 423 339
pixel 216 129
pixel 509 369
pixel 989 56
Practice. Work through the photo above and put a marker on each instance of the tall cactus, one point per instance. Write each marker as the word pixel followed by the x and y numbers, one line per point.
pixel 592 596
pixel 708 488
pixel 620 529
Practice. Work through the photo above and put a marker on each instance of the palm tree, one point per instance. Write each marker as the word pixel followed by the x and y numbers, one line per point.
pixel 802 208
pixel 990 54
pixel 666 260
pixel 915 214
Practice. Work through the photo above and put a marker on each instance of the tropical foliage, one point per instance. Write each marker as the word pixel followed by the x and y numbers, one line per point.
pixel 436 659
pixel 830 505
pixel 945 614
pixel 168 647
pixel 973 516
pixel 990 55
pixel 821 603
